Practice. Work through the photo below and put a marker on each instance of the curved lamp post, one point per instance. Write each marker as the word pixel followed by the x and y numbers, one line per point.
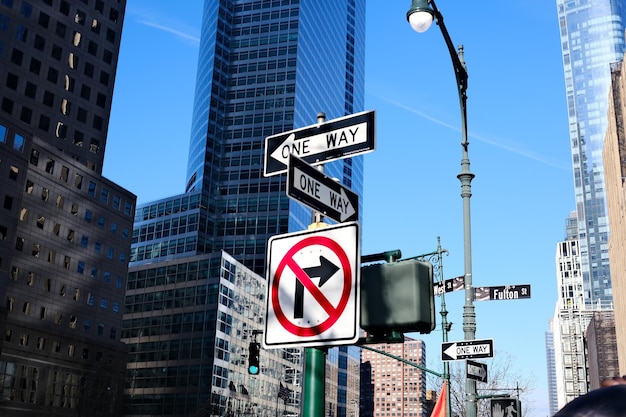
pixel 420 16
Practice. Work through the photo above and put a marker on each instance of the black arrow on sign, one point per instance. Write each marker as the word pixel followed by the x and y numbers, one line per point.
pixel 324 271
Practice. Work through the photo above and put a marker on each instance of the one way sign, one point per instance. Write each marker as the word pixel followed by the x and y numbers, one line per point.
pixel 320 192
pixel 316 144
pixel 469 349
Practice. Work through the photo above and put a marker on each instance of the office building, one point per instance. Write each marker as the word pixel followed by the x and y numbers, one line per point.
pixel 390 387
pixel 615 170
pixel 189 323
pixel 261 71
pixel 64 229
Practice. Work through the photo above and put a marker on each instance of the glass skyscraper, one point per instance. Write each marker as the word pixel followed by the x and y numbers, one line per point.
pixel 264 67
pixel 592 37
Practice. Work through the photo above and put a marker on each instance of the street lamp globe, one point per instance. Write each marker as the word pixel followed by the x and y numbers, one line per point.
pixel 420 15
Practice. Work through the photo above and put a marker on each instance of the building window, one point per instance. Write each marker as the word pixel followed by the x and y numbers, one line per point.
pixel 7 105
pixel 12 80
pixel 48 98
pixel 13 171
pixel 35 67
pixel 91 191
pixel 50 166
pixel 18 143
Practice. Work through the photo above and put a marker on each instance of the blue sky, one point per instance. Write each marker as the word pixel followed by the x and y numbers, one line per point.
pixel 519 147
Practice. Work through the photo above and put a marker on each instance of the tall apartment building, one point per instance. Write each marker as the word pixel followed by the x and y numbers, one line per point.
pixel 390 387
pixel 592 37
pixel 264 67
pixel 64 229
pixel 615 172
pixel 569 323
pixel 578 363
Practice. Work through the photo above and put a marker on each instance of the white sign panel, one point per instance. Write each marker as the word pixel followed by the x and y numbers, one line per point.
pixel 313 288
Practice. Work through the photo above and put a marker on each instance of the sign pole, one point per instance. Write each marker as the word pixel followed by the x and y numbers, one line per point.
pixel 313 392
pixel 313 395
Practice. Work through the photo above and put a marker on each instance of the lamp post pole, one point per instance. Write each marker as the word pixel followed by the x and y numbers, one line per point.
pixel 420 15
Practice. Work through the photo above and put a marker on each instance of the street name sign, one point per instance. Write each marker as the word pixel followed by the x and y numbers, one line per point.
pixel 324 142
pixel 449 285
pixel 313 288
pixel 504 292
pixel 467 349
pixel 476 370
pixel 312 188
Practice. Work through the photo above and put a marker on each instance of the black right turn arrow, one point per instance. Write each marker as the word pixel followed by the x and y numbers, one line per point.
pixel 324 271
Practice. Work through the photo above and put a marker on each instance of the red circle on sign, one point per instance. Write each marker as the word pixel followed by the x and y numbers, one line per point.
pixel 333 315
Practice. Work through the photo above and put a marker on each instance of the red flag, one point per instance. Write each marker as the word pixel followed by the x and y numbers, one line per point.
pixel 441 405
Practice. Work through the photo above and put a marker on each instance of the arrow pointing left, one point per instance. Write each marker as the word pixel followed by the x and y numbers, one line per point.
pixel 324 271
pixel 451 351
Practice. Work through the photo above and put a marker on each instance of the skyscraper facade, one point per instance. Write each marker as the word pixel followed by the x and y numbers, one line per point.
pixel 264 67
pixel 592 37
pixel 64 229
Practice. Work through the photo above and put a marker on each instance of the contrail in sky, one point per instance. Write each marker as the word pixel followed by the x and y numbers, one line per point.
pixel 178 33
pixel 509 148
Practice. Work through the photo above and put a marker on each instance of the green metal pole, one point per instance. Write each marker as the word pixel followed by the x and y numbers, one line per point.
pixel 313 394
pixel 313 391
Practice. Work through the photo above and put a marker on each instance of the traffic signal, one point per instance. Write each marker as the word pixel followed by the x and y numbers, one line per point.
pixel 397 297
pixel 254 358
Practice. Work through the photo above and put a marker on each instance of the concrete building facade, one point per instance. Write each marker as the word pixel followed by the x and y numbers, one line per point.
pixel 614 155
pixel 64 229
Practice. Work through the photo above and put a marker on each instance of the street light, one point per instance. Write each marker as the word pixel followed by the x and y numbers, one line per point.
pixel 420 16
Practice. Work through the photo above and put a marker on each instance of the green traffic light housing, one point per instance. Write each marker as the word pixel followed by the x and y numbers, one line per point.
pixel 397 297
pixel 254 358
